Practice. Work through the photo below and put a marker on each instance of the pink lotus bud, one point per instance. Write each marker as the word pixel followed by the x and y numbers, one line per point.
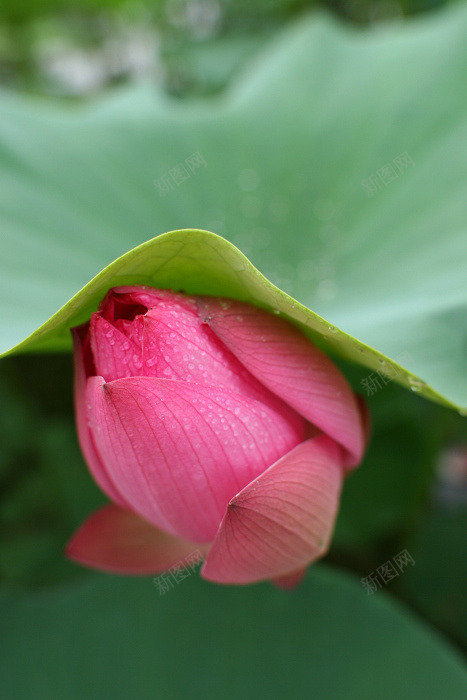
pixel 212 425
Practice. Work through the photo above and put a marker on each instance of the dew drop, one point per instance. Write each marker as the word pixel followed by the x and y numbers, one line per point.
pixel 416 384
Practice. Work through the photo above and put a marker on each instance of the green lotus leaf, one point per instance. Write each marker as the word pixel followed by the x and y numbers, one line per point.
pixel 335 162
pixel 327 639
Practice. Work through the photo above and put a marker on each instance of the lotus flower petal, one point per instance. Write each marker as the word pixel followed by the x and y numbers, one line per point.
pixel 117 540
pixel 177 344
pixel 292 367
pixel 96 466
pixel 281 521
pixel 115 355
pixel 180 451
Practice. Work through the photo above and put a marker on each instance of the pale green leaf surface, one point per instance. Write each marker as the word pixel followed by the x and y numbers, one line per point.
pixel 287 147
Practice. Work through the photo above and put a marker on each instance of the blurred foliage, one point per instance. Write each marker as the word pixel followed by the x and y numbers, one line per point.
pixel 435 586
pixel 46 490
pixel 404 497
pixel 110 637
pixel 75 47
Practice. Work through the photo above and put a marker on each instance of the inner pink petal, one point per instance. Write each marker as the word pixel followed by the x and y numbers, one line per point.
pixel 115 355
pixel 292 367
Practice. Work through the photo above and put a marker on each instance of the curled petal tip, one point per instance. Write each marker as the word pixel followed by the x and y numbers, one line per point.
pixel 291 367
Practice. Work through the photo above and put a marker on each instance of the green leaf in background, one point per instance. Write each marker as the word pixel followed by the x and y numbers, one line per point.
pixel 113 637
pixel 289 157
pixel 436 585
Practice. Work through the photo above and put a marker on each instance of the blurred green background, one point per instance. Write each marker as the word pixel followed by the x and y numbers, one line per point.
pixel 76 48
pixel 73 633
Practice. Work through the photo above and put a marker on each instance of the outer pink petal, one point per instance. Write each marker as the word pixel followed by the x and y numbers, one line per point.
pixel 115 355
pixel 117 540
pixel 290 366
pixel 96 467
pixel 281 521
pixel 180 451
